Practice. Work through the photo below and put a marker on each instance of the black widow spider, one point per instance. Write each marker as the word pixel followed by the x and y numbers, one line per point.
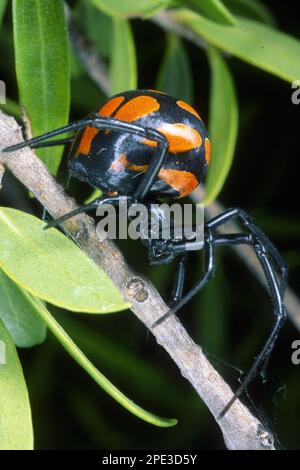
pixel 131 147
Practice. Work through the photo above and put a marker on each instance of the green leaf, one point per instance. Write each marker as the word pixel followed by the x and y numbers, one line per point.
pixel 3 6
pixel 215 10
pixel 223 125
pixel 16 431
pixel 49 265
pixel 97 26
pixel 175 74
pixel 123 70
pixel 94 195
pixel 252 9
pixel 212 323
pixel 43 67
pixel 11 107
pixel 99 378
pixel 18 315
pixel 253 42
pixel 130 8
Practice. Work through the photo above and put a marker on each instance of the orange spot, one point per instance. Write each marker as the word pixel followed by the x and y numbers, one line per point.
pixel 150 143
pixel 207 150
pixel 119 164
pixel 183 181
pixel 89 133
pixel 137 108
pixel 181 138
pixel 141 168
pixel 188 108
pixel 86 141
pixel 111 106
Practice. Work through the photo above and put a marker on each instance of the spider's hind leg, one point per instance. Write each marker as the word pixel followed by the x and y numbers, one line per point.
pixel 275 275
pixel 178 286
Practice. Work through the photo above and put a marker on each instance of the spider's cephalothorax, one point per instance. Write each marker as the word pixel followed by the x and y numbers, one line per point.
pixel 145 144
pixel 115 161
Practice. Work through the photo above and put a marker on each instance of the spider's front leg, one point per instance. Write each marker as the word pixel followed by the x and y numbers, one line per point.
pixel 113 200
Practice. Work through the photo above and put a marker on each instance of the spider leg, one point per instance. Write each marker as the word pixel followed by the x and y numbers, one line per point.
pixel 43 138
pixel 209 266
pixel 280 315
pixel 85 208
pixel 52 143
pixel 178 286
pixel 247 222
pixel 99 122
pixel 264 250
pixel 113 124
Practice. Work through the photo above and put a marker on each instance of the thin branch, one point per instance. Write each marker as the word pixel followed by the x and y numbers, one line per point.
pixel 165 21
pixel 241 430
pixel 2 171
pixel 88 54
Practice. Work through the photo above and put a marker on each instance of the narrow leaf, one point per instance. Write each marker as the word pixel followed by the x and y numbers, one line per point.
pixel 18 315
pixel 123 71
pixel 49 265
pixel 3 6
pixel 213 9
pixel 15 415
pixel 97 26
pixel 175 74
pixel 223 125
pixel 130 8
pixel 255 43
pixel 252 9
pixel 99 378
pixel 42 67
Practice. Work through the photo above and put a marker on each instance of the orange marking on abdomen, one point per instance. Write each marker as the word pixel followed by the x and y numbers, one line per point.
pixel 182 181
pixel 188 108
pixel 207 149
pixel 85 143
pixel 141 168
pixel 136 108
pixel 181 138
pixel 111 105
pixel 119 164
pixel 150 143
pixel 89 133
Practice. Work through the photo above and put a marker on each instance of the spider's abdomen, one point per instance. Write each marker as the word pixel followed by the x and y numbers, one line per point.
pixel 115 161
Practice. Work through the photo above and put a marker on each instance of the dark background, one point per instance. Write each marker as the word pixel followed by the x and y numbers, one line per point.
pixel 230 318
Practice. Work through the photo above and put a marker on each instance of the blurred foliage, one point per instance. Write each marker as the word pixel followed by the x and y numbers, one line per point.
pixel 237 71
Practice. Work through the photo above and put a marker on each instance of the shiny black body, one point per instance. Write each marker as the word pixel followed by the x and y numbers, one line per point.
pixel 97 166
